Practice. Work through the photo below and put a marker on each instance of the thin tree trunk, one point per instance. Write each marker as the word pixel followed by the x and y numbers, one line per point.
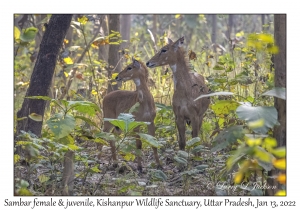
pixel 280 81
pixel 41 77
pixel 103 49
pixel 114 54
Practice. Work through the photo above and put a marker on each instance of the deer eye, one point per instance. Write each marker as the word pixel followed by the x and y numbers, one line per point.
pixel 129 68
pixel 163 50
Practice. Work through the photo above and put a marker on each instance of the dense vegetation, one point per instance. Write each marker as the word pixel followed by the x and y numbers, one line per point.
pixel 236 145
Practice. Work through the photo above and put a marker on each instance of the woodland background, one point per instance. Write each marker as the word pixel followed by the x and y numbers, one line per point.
pixel 67 63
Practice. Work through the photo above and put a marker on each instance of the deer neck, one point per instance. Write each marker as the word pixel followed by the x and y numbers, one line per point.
pixel 181 77
pixel 142 89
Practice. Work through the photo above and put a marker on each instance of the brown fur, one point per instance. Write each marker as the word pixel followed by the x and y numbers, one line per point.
pixel 121 101
pixel 187 87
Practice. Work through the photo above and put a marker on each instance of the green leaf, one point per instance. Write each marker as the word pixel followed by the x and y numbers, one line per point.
pixel 36 117
pixel 28 34
pixel 224 107
pixel 266 165
pixel 249 114
pixel 278 92
pixel 227 137
pixel 218 67
pixel 17 33
pixel 201 167
pixel 95 169
pixel 158 174
pixel 87 120
pixel 198 148
pixel 193 142
pixel 61 125
pixel 215 94
pixel 263 155
pixel 43 178
pixel 150 140
pixel 182 154
pixel 180 160
pixel 279 152
pixel 84 107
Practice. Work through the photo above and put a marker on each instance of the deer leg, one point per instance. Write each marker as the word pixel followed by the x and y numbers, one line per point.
pixel 195 126
pixel 180 123
pixel 151 131
pixel 138 144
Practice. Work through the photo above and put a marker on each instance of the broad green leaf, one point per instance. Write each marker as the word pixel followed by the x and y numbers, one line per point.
pixel 66 140
pixel 262 154
pixel 182 154
pixel 238 156
pixel 105 135
pixel 158 174
pixel 43 178
pixel 61 125
pixel 266 165
pixel 180 160
pixel 250 114
pixel 129 157
pixel 36 117
pixel 201 167
pixel 73 147
pixel 150 140
pixel 198 148
pixel 278 92
pixel 95 169
pixel 28 34
pixel 17 33
pixel 87 120
pixel 227 137
pixel 84 107
pixel 224 107
pixel 193 142
pixel 215 94
pixel 279 152
pixel 24 192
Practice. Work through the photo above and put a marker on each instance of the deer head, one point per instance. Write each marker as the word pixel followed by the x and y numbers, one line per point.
pixel 167 55
pixel 134 71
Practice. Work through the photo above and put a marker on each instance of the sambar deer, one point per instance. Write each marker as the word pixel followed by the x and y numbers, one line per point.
pixel 121 101
pixel 187 87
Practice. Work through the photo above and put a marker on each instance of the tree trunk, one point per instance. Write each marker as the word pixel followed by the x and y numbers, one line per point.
pixel 280 81
pixel 114 54
pixel 41 77
pixel 103 49
pixel 125 30
pixel 280 76
pixel 68 173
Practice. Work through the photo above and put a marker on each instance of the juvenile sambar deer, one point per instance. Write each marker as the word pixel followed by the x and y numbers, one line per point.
pixel 121 101
pixel 187 87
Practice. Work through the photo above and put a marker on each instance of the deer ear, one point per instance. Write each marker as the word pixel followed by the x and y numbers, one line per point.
pixel 170 41
pixel 136 63
pixel 179 43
